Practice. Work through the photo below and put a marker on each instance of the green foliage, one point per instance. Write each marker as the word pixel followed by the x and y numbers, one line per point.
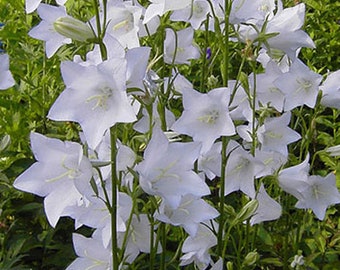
pixel 323 26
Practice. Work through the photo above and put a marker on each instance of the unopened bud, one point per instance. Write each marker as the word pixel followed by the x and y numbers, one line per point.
pixel 251 258
pixel 247 211
pixel 212 82
pixel 230 266
pixel 73 28
pixel 5 142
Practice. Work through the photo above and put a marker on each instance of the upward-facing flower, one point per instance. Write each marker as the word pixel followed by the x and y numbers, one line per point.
pixel 6 78
pixel 320 193
pixel 244 10
pixel 205 116
pixel 300 86
pixel 167 170
pixel 189 214
pixel 92 93
pixel 59 168
pixel 123 22
pixel 91 253
pixel 178 47
pixel 266 91
pixel 196 13
pixel 275 135
pixel 196 248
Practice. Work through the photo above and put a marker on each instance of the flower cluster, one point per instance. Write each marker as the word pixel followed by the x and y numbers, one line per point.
pixel 235 137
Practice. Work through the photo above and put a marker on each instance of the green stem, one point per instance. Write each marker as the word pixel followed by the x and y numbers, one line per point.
pixel 114 190
pixel 153 249
pixel 224 139
pixel 222 191
pixel 226 239
pixel 253 105
pixel 204 64
pixel 163 241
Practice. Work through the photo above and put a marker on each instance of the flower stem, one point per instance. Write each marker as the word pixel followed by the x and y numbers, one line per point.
pixel 225 76
pixel 113 210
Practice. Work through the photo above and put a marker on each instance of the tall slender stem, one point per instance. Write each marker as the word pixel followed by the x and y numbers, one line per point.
pixel 225 77
pixel 113 210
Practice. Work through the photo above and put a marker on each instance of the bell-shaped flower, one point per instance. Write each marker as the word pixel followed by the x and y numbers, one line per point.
pixel 275 135
pixel 300 86
pixel 205 117
pixel 274 56
pixel 92 93
pixel 210 161
pixel 123 22
pixel 331 90
pixel 196 248
pixel 267 209
pixel 180 83
pixel 321 192
pixel 266 91
pixel 95 214
pixel 59 166
pixel 287 24
pixel 160 7
pixel 138 239
pixel 91 254
pixel 31 5
pixel 94 57
pixel 166 170
pixel 6 78
pixel 189 214
pixel 149 28
pixel 137 63
pixel 244 10
pixel 179 47
pixel 271 160
pixel 241 170
pixel 293 179
pixel 195 14
pixel 45 29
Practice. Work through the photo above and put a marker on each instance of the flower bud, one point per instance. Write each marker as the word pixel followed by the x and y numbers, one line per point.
pixel 212 82
pixel 230 266
pixel 251 258
pixel 333 151
pixel 5 142
pixel 247 211
pixel 73 28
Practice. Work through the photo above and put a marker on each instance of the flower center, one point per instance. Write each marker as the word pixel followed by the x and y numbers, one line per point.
pixel 70 173
pixel 197 9
pixel 164 173
pixel 304 84
pixel 210 117
pixel 104 93
pixel 243 163
pixel 124 26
